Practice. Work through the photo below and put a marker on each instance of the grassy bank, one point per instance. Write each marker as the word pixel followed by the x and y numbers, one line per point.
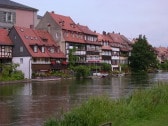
pixel 143 108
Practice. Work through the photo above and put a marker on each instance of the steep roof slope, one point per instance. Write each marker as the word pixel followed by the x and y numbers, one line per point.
pixel 65 22
pixel 31 37
pixel 86 30
pixel 4 39
pixel 13 5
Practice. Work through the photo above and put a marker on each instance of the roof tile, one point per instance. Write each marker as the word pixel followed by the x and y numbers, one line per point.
pixel 41 38
pixel 4 39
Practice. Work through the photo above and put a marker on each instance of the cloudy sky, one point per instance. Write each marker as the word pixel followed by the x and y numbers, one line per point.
pixel 128 17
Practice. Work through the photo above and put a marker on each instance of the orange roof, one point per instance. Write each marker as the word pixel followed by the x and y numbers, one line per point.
pixel 65 22
pixel 102 37
pixel 161 51
pixel 116 37
pixel 32 37
pixel 4 39
pixel 106 48
pixel 86 30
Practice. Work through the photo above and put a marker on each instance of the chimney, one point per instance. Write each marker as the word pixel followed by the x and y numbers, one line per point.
pixel 104 33
pixel 52 12
pixel 32 26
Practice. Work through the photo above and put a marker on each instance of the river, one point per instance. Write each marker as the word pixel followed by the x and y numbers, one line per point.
pixel 30 104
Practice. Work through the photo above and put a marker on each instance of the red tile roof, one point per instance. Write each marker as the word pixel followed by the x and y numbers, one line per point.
pixel 4 39
pixel 106 48
pixel 161 51
pixel 116 37
pixel 40 38
pixel 86 30
pixel 102 37
pixel 65 22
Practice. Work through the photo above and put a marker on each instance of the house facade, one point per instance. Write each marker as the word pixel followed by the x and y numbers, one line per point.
pixel 90 47
pixel 6 47
pixel 12 13
pixel 121 49
pixel 35 51
pixel 70 35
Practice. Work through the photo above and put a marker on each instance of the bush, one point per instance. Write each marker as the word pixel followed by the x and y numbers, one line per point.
pixel 9 72
pixel 82 71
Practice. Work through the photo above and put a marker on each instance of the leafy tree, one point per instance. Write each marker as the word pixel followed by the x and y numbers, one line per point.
pixel 72 58
pixel 106 67
pixel 142 56
pixel 82 71
pixel 164 66
pixel 9 72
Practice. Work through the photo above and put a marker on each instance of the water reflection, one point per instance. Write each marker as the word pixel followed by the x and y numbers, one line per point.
pixel 30 104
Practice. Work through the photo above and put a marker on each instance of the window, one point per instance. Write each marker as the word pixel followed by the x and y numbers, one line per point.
pixel 52 50
pixel 42 49
pixel 21 48
pixel 56 35
pixel 8 17
pixel 21 60
pixel 35 48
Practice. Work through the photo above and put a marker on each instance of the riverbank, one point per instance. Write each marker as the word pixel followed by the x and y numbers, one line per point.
pixel 29 80
pixel 143 107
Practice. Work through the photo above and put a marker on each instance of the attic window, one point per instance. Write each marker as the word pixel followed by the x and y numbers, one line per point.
pixel 52 50
pixel 26 36
pixel 31 38
pixel 72 25
pixel 44 39
pixel 43 49
pixel 35 48
pixel 21 30
pixel 61 23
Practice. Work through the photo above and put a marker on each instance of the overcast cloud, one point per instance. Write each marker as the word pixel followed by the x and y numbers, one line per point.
pixel 129 17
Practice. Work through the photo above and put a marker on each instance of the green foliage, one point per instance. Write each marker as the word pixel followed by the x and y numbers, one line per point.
pixel 142 56
pixel 82 71
pixel 72 58
pixel 125 68
pixel 106 67
pixel 9 72
pixel 163 66
pixel 141 105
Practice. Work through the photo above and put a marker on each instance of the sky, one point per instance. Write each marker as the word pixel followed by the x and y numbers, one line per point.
pixel 127 17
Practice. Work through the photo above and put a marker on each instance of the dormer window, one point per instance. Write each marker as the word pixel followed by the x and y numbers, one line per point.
pixel 35 49
pixel 52 50
pixel 44 39
pixel 43 49
pixel 72 25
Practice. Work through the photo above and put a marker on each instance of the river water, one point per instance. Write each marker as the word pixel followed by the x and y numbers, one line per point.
pixel 30 104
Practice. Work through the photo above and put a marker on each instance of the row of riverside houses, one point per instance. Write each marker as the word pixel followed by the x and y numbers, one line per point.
pixel 91 47
pixel 43 45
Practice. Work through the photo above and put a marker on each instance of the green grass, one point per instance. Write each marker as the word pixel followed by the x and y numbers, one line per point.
pixel 143 108
pixel 158 118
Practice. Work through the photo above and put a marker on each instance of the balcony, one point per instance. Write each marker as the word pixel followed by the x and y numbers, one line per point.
pixel 79 53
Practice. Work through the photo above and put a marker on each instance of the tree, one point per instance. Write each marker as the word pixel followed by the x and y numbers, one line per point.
pixel 82 71
pixel 142 56
pixel 106 67
pixel 72 58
